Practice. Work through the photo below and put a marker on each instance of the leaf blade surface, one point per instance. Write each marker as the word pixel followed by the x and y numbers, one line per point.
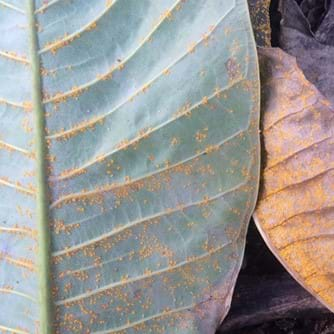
pixel 295 209
pixel 153 161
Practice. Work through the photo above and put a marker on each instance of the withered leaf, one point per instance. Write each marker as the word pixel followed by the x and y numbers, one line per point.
pixel 307 32
pixel 295 212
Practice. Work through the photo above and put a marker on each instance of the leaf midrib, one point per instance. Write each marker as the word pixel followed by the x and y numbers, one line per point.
pixel 42 198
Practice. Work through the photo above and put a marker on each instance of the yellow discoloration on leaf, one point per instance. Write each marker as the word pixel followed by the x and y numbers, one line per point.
pixel 19 262
pixel 14 56
pixel 143 172
pixel 295 210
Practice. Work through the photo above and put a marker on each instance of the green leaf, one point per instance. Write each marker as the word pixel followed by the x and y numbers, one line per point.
pixel 129 163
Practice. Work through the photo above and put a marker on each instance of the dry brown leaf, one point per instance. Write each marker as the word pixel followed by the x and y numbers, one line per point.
pixel 295 212
pixel 259 12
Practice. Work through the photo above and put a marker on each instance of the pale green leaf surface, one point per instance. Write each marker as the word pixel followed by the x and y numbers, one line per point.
pixel 152 114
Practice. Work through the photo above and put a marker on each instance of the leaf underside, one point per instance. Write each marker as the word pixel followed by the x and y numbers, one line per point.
pixel 151 111
pixel 295 210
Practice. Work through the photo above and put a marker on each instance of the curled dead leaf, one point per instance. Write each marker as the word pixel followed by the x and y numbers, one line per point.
pixel 307 33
